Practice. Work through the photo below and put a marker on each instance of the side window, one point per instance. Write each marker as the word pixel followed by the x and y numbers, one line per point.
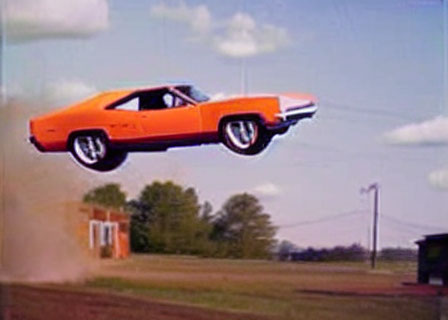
pixel 173 101
pixel 152 100
pixel 179 102
pixel 130 105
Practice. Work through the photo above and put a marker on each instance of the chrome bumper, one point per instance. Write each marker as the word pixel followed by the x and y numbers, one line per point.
pixel 298 113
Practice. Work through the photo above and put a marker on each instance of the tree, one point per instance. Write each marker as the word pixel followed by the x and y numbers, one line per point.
pixel 285 248
pixel 108 196
pixel 139 227
pixel 242 229
pixel 206 211
pixel 166 218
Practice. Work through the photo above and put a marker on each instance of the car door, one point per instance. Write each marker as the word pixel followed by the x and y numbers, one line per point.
pixel 122 120
pixel 175 119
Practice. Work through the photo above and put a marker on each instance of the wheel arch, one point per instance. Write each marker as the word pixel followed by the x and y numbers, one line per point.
pixel 241 116
pixel 74 133
pixel 262 140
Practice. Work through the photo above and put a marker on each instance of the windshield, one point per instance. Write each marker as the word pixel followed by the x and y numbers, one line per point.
pixel 193 93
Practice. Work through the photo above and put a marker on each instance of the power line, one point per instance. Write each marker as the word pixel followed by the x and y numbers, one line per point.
pixel 365 111
pixel 323 219
pixel 392 234
pixel 352 154
pixel 414 226
pixel 395 229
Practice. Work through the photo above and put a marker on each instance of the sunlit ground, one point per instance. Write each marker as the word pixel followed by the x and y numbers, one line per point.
pixel 282 290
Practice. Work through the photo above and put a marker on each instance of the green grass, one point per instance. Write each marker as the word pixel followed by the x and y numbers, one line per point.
pixel 267 287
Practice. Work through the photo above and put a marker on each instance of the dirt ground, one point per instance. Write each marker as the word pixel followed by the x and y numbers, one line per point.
pixel 179 287
pixel 24 302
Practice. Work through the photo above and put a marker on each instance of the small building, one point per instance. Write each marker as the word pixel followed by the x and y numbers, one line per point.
pixel 103 233
pixel 433 259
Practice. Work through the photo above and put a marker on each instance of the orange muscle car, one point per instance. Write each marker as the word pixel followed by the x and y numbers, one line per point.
pixel 100 131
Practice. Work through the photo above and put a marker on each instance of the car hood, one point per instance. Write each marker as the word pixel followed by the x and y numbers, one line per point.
pixel 286 100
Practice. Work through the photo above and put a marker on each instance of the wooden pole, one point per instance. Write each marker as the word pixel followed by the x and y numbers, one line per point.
pixel 375 226
pixel 375 188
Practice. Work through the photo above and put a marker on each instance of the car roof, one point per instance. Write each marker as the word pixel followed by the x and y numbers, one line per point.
pixel 143 88
pixel 105 98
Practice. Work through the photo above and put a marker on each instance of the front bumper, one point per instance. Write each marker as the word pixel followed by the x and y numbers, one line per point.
pixel 296 114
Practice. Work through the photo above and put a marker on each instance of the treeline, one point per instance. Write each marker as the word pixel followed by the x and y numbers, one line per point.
pixel 287 251
pixel 398 254
pixel 354 252
pixel 168 218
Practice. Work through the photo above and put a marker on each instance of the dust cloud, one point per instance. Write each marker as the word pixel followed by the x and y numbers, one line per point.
pixel 37 242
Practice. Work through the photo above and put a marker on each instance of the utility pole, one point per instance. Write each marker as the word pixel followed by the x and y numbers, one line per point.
pixel 2 130
pixel 375 188
pixel 445 56
pixel 243 66
pixel 2 51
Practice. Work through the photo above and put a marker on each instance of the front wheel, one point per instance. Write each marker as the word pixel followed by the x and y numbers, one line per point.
pixel 244 136
pixel 91 150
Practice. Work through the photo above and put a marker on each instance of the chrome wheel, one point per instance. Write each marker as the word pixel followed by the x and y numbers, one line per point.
pixel 242 133
pixel 90 149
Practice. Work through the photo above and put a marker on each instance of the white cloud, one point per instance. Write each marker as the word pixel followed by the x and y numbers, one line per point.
pixel 430 132
pixel 244 38
pixel 67 91
pixel 238 37
pixel 434 131
pixel 34 19
pixel 439 178
pixel 197 18
pixel 267 189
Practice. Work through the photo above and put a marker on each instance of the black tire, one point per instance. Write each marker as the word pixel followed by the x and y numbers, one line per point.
pixel 103 158
pixel 256 144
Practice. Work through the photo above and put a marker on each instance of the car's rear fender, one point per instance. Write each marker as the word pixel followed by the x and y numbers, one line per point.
pixel 45 136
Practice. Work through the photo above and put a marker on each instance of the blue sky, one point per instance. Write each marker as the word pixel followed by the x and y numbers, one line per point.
pixel 376 67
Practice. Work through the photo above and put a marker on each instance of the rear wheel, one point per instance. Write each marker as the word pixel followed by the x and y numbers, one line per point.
pixel 244 135
pixel 91 149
